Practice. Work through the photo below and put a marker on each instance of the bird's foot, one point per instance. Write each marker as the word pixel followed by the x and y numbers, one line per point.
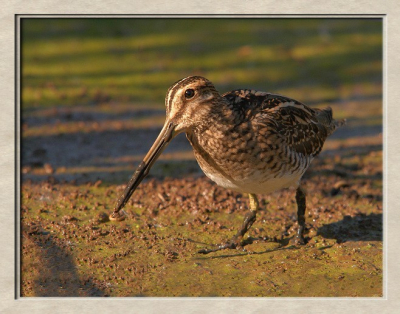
pixel 232 244
pixel 236 241
pixel 298 240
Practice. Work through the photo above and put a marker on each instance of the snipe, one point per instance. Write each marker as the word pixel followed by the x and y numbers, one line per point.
pixel 244 140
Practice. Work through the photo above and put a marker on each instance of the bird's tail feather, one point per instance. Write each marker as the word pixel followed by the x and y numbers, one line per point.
pixel 336 124
pixel 325 118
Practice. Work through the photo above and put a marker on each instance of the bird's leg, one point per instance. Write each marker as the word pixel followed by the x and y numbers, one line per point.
pixel 246 225
pixel 301 209
pixel 248 221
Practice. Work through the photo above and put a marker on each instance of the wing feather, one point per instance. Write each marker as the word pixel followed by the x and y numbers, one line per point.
pixel 299 127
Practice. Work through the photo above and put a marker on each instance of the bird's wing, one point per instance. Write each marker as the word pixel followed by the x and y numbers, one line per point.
pixel 301 128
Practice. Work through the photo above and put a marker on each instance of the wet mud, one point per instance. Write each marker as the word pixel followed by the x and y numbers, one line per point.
pixel 70 248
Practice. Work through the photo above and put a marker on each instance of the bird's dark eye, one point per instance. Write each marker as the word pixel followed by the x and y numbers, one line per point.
pixel 189 93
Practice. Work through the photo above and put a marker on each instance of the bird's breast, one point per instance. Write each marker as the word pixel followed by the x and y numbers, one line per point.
pixel 242 163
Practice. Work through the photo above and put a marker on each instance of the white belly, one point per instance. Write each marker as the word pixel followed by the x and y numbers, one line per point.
pixel 257 184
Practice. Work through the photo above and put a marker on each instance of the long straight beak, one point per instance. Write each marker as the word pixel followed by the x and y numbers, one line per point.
pixel 166 135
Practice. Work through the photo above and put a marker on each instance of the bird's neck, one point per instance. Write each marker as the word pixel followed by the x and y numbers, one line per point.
pixel 220 116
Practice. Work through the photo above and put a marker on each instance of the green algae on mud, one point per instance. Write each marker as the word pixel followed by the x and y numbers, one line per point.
pixel 70 249
pixel 67 250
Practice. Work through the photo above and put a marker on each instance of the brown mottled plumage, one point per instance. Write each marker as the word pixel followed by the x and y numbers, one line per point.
pixel 245 140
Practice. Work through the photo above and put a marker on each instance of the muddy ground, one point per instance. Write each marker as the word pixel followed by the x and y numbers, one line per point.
pixel 75 163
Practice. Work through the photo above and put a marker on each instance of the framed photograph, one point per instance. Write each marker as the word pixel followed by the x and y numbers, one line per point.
pixel 182 162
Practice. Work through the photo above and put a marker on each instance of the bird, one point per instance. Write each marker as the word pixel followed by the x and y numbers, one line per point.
pixel 245 140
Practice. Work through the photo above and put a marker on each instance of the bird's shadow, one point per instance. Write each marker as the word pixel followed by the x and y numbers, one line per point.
pixel 361 227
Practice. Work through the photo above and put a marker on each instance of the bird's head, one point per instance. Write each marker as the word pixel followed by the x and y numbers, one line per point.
pixel 188 103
